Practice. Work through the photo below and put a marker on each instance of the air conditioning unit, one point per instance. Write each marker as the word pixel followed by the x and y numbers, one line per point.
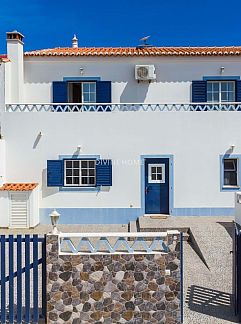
pixel 145 72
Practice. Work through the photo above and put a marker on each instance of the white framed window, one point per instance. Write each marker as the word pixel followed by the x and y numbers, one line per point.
pixel 156 173
pixel 230 170
pixel 88 92
pixel 78 173
pixel 221 91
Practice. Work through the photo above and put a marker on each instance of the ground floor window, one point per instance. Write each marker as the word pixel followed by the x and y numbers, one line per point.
pixel 230 169
pixel 80 173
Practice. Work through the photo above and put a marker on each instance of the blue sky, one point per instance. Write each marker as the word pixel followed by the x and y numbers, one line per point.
pixel 52 23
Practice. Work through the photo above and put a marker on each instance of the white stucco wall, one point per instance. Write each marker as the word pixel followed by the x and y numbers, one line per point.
pixel 2 161
pixel 4 209
pixel 174 76
pixel 238 208
pixel 2 87
pixel 2 108
pixel 34 207
pixel 195 139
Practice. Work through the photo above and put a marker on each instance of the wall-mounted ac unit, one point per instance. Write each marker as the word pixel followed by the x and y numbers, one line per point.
pixel 145 72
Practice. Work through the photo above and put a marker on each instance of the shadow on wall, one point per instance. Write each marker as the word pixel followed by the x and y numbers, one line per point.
pixel 135 94
pixel 37 140
pixel 210 302
pixel 47 191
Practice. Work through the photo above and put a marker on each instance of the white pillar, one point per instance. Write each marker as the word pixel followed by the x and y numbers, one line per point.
pixel 15 55
pixel 2 162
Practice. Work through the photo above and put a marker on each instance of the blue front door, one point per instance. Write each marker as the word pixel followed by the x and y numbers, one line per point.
pixel 157 186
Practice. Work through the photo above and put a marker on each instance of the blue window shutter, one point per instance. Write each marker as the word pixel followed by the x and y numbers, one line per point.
pixel 199 91
pixel 60 93
pixel 103 173
pixel 55 173
pixel 103 91
pixel 238 91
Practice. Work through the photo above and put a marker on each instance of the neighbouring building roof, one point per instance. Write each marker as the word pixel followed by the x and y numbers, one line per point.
pixel 18 186
pixel 138 51
pixel 4 58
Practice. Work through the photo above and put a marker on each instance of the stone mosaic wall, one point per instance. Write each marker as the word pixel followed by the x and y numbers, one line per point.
pixel 113 288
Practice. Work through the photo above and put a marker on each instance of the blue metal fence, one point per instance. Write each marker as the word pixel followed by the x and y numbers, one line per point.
pixel 182 278
pixel 237 270
pixel 23 279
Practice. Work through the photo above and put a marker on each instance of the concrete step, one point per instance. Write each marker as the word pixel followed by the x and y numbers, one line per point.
pixel 135 226
pixel 157 216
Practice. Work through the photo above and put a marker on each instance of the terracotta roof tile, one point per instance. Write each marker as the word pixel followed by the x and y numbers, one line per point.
pixel 4 58
pixel 138 51
pixel 18 186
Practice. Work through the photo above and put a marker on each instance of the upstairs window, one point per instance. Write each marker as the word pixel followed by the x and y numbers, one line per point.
pixel 230 169
pixel 82 92
pixel 87 91
pixel 221 91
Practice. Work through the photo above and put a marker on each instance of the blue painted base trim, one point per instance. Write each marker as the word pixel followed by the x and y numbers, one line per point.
pixel 203 212
pixel 92 215
pixel 121 215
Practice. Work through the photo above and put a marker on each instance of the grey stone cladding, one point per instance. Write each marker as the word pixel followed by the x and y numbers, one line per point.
pixel 113 288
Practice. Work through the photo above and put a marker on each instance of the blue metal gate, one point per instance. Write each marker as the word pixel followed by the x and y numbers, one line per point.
pixel 237 270
pixel 23 279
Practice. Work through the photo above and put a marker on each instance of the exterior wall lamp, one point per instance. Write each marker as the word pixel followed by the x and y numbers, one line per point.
pixel 54 216
pixel 79 148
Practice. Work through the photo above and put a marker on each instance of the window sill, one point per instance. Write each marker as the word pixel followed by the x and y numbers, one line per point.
pixel 230 188
pixel 66 188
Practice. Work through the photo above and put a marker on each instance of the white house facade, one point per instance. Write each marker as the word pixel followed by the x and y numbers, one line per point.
pixel 106 135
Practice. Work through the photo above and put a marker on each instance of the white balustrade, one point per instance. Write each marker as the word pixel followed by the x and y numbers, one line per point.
pixel 121 107
pixel 116 243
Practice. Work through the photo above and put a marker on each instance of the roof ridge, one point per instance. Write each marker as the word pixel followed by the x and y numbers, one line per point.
pixel 137 51
pixel 140 47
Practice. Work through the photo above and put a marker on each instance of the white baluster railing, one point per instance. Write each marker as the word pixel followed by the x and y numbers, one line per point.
pixel 121 107
pixel 117 243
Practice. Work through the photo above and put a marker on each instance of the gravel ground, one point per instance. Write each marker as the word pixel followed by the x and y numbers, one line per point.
pixel 207 293
pixel 208 288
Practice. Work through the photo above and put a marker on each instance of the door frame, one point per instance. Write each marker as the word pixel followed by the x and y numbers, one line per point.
pixel 171 191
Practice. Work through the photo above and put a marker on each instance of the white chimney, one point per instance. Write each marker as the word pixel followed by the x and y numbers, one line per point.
pixel 15 55
pixel 75 42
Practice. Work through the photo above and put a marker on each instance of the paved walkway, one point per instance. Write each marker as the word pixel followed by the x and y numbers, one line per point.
pixel 207 289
